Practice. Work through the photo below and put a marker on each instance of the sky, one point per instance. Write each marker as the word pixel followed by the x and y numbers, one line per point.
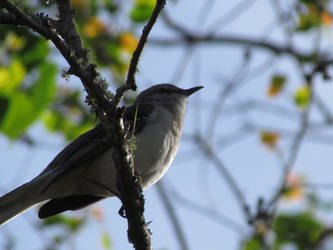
pixel 253 166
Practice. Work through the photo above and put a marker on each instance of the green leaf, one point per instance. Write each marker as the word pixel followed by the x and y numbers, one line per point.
pixel 73 131
pixel 142 10
pixel 21 113
pixel 58 239
pixel 44 89
pixel 279 81
pixel 37 54
pixel 302 229
pixel 21 109
pixel 253 243
pixel 93 7
pixel 308 22
pixel 56 122
pixel 71 223
pixel 106 241
pixel 311 19
pixel 310 1
pixel 111 5
pixel 302 97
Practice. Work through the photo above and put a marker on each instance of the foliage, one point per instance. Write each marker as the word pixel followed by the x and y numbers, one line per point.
pixel 301 229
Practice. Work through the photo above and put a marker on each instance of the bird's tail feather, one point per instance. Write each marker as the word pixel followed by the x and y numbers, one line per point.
pixel 19 200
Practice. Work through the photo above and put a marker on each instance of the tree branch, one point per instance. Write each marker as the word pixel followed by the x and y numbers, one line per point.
pixel 172 215
pixel 8 18
pixel 223 171
pixel 209 212
pixel 294 150
pixel 236 40
pixel 130 81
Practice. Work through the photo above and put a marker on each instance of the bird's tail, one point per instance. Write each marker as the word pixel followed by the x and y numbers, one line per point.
pixel 20 199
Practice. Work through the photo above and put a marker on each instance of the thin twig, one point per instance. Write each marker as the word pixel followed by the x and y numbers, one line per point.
pixel 237 40
pixel 294 151
pixel 232 15
pixel 136 55
pixel 221 98
pixel 207 212
pixel 224 172
pixel 179 232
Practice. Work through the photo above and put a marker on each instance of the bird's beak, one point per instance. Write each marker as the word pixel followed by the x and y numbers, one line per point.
pixel 190 91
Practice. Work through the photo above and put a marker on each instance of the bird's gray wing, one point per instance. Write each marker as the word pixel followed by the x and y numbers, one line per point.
pixel 82 150
pixel 93 143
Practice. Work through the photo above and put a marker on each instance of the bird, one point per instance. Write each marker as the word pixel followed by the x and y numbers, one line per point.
pixel 84 172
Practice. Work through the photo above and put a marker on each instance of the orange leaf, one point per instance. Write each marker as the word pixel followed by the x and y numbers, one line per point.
pixel 326 18
pixel 273 90
pixel 97 213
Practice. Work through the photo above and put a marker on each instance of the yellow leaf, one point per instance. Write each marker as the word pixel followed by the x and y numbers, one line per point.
pixel 14 42
pixel 294 190
pixel 269 139
pixel 11 76
pixel 128 42
pixel 148 2
pixel 294 194
pixel 93 27
pixel 106 241
pixel 302 96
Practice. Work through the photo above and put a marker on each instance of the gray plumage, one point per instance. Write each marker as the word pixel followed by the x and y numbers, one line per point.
pixel 83 172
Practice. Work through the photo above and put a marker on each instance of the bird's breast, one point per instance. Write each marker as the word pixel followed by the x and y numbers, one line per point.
pixel 156 147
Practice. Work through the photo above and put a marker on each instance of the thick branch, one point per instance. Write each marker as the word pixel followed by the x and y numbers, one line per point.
pixel 8 18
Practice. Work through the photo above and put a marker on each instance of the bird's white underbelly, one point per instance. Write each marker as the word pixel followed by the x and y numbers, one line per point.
pixel 156 149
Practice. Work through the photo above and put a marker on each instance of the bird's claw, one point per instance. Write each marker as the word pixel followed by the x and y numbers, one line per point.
pixel 122 212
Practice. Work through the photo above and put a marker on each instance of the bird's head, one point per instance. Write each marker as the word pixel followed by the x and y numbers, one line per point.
pixel 165 94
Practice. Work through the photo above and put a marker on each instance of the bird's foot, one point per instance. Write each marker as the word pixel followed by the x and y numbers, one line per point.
pixel 122 212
